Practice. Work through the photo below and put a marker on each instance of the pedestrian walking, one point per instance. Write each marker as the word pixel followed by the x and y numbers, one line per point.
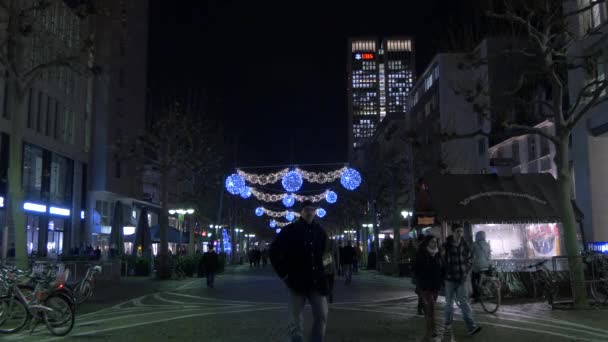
pixel 357 259
pixel 348 258
pixel 482 256
pixel 211 264
pixel 297 255
pixel 458 263
pixel 428 270
pixel 412 252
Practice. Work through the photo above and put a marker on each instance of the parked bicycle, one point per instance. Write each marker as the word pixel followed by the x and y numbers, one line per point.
pixel 489 287
pixel 49 301
pixel 83 290
pixel 598 269
pixel 543 281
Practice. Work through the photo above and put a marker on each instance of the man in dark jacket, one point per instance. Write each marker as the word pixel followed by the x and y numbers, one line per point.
pixel 211 264
pixel 458 263
pixel 348 257
pixel 297 255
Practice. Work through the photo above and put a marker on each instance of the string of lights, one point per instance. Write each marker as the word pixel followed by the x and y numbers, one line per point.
pixel 321 177
pixel 273 213
pixel 271 198
pixel 266 179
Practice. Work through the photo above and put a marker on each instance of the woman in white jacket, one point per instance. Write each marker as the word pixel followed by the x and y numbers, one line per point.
pixel 482 257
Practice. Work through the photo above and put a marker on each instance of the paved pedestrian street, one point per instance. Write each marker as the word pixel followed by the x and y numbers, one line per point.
pixel 249 305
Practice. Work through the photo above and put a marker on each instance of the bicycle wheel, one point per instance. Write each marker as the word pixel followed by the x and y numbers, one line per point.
pixel 490 295
pixel 551 291
pixel 599 290
pixel 13 315
pixel 84 292
pixel 60 321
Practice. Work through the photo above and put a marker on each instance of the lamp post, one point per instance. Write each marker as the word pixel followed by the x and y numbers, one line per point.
pixel 181 214
pixel 408 215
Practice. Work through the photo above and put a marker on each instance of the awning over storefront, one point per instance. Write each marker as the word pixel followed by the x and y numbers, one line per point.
pixel 492 199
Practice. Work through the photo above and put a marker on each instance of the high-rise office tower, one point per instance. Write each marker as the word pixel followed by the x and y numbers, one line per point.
pixel 380 76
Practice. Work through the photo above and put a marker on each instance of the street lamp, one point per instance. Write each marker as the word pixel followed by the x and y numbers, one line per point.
pixel 406 214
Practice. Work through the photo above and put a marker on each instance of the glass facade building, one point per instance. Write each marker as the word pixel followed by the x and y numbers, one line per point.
pixel 381 74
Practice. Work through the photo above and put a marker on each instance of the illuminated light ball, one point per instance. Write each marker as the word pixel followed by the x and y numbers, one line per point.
pixel 246 192
pixel 259 211
pixel 321 212
pixel 331 197
pixel 235 184
pixel 292 181
pixel 290 216
pixel 273 224
pixel 289 200
pixel 350 179
pixel 278 230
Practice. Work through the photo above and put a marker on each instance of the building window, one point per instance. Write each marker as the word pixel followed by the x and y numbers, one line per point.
pixel 597 12
pixel 61 179
pixel 481 146
pixel 532 147
pixel 515 152
pixel 32 169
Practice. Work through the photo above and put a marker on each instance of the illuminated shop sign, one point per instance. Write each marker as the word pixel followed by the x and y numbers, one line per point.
pixel 34 207
pixel 59 211
pixel 364 56
pixel 600 247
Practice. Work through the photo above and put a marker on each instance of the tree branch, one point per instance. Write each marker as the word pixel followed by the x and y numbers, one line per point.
pixel 522 130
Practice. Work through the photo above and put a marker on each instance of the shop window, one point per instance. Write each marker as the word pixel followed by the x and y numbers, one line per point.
pixel 32 170
pixel 516 241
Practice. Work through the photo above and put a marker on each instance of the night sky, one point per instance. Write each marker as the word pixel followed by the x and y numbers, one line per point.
pixel 276 71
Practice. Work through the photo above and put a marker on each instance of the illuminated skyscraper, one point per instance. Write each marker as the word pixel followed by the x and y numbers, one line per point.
pixel 380 76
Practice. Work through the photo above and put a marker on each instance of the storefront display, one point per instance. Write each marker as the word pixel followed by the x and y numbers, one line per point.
pixel 517 241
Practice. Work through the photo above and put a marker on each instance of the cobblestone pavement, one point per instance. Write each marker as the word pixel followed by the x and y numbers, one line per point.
pixel 249 305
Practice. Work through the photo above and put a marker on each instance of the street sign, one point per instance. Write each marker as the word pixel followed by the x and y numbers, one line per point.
pixel 426 221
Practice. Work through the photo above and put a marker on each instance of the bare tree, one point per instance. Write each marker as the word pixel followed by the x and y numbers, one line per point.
pixel 32 48
pixel 184 150
pixel 547 32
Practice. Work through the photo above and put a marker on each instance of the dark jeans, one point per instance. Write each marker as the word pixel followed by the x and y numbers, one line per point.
pixel 428 299
pixel 295 309
pixel 210 279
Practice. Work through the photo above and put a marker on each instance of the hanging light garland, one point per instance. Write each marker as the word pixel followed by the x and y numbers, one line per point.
pixel 279 224
pixel 290 216
pixel 273 224
pixel 259 211
pixel 276 214
pixel 271 198
pixel 262 179
pixel 295 176
pixel 321 177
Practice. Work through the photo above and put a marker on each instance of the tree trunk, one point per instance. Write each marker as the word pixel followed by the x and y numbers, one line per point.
pixel 164 270
pixel 569 225
pixel 15 189
pixel 190 238
pixel 396 230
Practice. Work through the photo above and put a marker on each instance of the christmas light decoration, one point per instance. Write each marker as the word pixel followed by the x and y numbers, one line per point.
pixel 273 224
pixel 235 184
pixel 350 179
pixel 278 230
pixel 331 197
pixel 292 181
pixel 263 179
pixel 259 211
pixel 290 216
pixel 246 192
pixel 321 177
pixel 282 224
pixel 289 200
pixel 321 212
pixel 271 198
pixel 278 214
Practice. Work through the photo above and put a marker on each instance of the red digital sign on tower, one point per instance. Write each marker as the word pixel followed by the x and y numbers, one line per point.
pixel 364 56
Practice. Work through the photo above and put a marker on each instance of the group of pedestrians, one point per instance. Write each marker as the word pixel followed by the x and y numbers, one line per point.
pixel 450 268
pixel 304 258
pixel 256 257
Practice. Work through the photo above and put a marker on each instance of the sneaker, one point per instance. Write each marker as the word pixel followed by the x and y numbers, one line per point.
pixel 474 331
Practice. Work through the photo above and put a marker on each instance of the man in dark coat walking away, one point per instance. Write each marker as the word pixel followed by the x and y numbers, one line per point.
pixel 211 264
pixel 458 262
pixel 347 260
pixel 298 257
